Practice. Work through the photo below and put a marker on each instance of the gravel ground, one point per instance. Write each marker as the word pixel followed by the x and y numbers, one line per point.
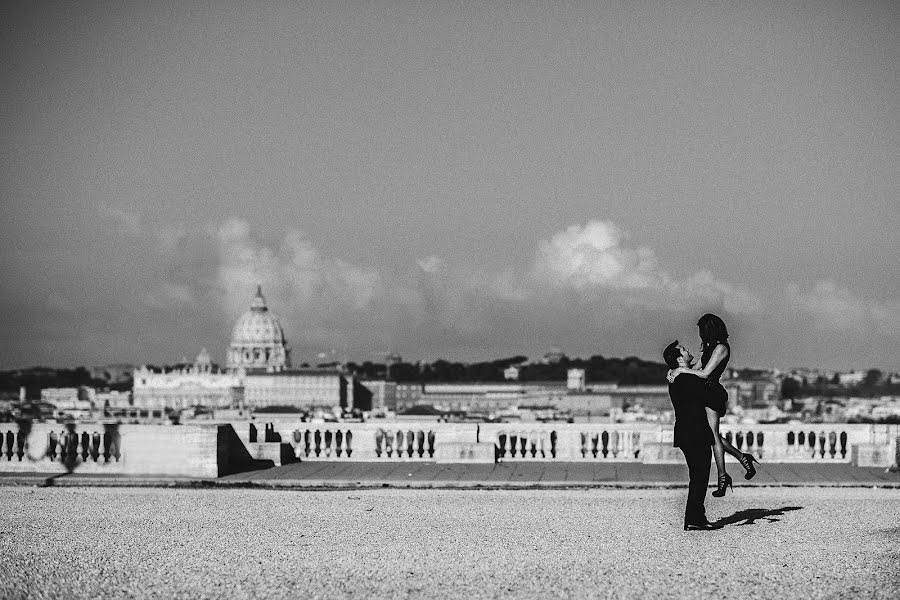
pixel 244 543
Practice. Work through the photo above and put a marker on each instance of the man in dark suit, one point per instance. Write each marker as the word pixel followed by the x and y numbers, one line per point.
pixel 692 434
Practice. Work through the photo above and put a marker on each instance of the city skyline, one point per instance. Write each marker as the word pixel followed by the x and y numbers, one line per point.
pixel 451 181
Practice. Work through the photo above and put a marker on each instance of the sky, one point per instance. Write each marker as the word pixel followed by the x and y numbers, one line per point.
pixel 459 180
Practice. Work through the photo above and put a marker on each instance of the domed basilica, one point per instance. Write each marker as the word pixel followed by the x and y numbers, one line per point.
pixel 258 374
pixel 257 340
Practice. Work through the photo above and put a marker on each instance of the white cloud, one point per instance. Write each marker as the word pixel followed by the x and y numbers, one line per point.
pixel 302 280
pixel 595 258
pixel 836 308
pixel 595 255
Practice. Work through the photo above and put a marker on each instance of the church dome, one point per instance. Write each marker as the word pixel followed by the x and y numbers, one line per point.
pixel 257 340
pixel 257 325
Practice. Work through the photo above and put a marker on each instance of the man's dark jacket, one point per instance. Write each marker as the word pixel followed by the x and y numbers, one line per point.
pixel 691 426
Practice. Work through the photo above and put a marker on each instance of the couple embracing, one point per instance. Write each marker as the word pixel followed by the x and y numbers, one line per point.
pixel 699 401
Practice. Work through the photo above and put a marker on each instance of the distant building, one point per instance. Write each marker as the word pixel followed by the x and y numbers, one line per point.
pixel 179 389
pixel 851 378
pixel 257 340
pixel 408 395
pixel 113 399
pixel 303 389
pixel 61 396
pixel 71 402
pixel 554 356
pixel 511 373
pixel 576 380
pixel 383 394
pixel 752 393
pixel 258 375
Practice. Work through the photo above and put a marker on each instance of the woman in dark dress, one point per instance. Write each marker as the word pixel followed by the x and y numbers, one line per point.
pixel 712 363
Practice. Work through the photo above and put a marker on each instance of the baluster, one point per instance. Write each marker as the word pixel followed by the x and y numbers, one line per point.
pixel 501 443
pixel 317 442
pixel 750 442
pixel 636 443
pixel 51 445
pixel 117 444
pixel 379 439
pixel 832 444
pixel 348 439
pixel 388 443
pixel 61 445
pixel 420 443
pixel 822 444
pixel 843 439
pixel 553 443
pixel 399 447
pixel 584 444
pixel 431 444
pixel 513 444
pixel 297 436
pixel 72 446
pixel 95 446
pixel 328 436
pixel 10 439
pixel 532 443
pixel 614 441
pixel 811 441
pixel 595 440
pixel 338 442
pixel 85 445
pixel 604 441
pixel 21 441
pixel 307 442
pixel 728 437
pixel 545 444
pixel 410 440
pixel 739 440
pixel 760 438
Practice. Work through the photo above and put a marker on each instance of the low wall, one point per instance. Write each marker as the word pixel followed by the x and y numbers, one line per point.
pixel 212 450
pixel 160 450
pixel 619 442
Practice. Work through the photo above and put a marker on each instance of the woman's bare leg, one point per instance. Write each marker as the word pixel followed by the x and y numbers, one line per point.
pixel 726 445
pixel 718 449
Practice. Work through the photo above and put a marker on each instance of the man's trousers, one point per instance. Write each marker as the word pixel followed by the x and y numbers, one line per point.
pixel 698 461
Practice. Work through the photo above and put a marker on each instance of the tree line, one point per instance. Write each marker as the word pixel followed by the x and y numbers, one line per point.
pixel 598 369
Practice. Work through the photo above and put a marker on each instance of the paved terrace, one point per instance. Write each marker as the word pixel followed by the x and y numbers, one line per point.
pixel 411 543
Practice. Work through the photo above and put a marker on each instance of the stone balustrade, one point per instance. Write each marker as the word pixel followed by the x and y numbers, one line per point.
pixel 212 450
pixel 97 448
pixel 66 447
pixel 615 442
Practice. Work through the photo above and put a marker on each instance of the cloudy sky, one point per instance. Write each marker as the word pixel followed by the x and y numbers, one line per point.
pixel 450 179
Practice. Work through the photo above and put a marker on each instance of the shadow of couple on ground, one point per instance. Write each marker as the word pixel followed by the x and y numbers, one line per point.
pixel 751 515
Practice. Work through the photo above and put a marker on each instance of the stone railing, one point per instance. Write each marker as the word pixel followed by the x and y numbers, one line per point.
pixel 60 448
pixel 866 445
pixel 98 448
pixel 356 441
pixel 215 449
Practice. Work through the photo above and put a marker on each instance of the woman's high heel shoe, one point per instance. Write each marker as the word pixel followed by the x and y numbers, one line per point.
pixel 724 482
pixel 747 461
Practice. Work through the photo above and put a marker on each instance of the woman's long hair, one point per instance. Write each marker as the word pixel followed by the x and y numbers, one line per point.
pixel 712 330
